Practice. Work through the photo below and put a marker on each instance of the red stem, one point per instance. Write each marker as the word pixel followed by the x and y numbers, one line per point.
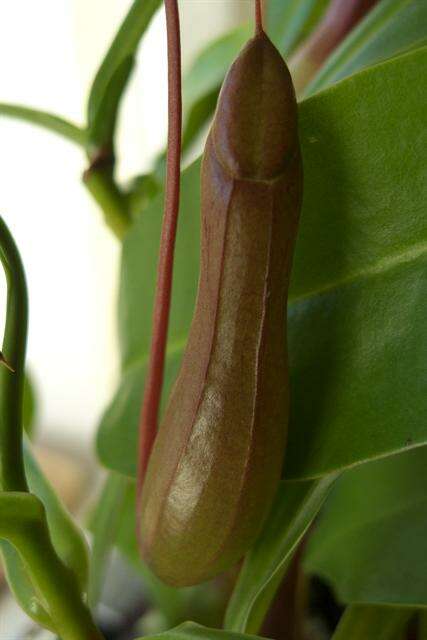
pixel 258 17
pixel 154 379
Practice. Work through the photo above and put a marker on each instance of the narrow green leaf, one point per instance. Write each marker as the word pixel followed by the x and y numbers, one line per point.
pixel 21 586
pixel 53 123
pixel 104 522
pixel 68 540
pixel 295 507
pixel 370 543
pixel 114 71
pixel 23 523
pixel 358 279
pixel 372 623
pixel 192 631
pixel 102 128
pixel 391 27
pixel 288 20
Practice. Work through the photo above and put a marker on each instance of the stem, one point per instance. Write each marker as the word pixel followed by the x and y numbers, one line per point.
pixel 258 17
pixel 23 524
pixel 12 473
pixel 100 182
pixel 154 380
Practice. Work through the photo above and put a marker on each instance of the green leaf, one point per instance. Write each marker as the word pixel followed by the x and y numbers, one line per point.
pixel 372 623
pixel 104 522
pixel 295 507
pixel 103 125
pixel 112 75
pixel 371 541
pixel 357 326
pixel 23 523
pixel 53 123
pixel 192 631
pixel 67 539
pixel 21 586
pixel 393 26
pixel 288 20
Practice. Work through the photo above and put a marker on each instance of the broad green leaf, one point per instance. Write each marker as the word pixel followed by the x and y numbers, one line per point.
pixel 53 123
pixel 371 541
pixel 357 326
pixel 104 522
pixel 139 193
pixel 192 631
pixel 112 75
pixel 67 538
pixel 295 507
pixel 391 27
pixel 372 623
pixel 288 20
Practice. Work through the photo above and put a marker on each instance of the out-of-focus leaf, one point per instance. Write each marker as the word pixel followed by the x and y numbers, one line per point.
pixel 371 541
pixel 289 20
pixel 102 128
pixel 140 192
pixel 67 538
pixel 53 123
pixel 357 328
pixel 23 523
pixel 422 625
pixel 191 631
pixel 295 507
pixel 22 587
pixel 104 522
pixel 372 623
pixel 393 26
pixel 112 75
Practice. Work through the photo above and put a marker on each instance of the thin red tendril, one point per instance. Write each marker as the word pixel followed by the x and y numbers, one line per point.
pixel 258 17
pixel 154 379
